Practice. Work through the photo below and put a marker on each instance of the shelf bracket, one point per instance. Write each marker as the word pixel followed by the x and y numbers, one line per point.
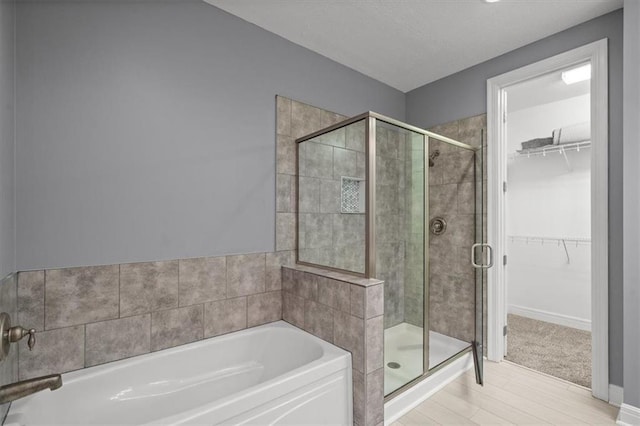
pixel 564 244
pixel 566 159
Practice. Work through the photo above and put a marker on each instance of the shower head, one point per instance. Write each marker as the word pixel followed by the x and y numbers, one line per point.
pixel 435 154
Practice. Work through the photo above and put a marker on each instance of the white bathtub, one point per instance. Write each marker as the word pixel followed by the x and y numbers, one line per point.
pixel 272 374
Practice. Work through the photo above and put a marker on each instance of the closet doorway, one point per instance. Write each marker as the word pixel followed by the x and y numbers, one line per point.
pixel 547 303
pixel 548 224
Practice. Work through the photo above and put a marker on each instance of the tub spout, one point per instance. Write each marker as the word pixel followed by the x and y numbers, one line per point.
pixel 24 388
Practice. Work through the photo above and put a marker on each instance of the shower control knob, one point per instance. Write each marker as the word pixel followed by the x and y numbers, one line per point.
pixel 438 226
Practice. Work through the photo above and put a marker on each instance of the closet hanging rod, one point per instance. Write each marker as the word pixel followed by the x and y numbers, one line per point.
pixel 542 240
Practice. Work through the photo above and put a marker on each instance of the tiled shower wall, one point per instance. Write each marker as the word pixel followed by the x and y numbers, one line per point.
pixel 391 217
pixel 415 217
pixel 328 236
pixel 452 196
pixel 294 120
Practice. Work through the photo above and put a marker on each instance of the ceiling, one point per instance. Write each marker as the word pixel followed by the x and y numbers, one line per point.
pixel 409 43
pixel 543 90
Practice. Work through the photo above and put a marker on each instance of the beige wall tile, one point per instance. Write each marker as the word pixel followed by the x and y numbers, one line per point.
pixel 286 155
pixel 202 280
pixel 359 401
pixel 274 262
pixel 117 339
pixel 318 320
pixel 374 397
pixel 355 136
pixel 333 138
pixel 283 115
pixel 305 119
pixel 31 299
pixel 264 308
pixel 306 285
pixel 343 296
pixel 327 292
pixel 375 301
pixel 348 333
pixel 285 231
pixel 225 316
pixel 80 295
pixel 309 195
pixel 358 301
pixel 344 163
pixel 285 187
pixel 246 274
pixel 176 327
pixel 293 309
pixel 147 287
pixel 56 351
pixel 374 340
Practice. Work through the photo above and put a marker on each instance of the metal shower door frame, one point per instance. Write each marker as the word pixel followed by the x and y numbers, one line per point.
pixel 371 118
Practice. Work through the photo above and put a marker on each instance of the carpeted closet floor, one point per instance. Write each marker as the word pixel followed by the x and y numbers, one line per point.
pixel 556 350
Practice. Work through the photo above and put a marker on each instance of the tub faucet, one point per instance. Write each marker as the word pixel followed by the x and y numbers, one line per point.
pixel 24 388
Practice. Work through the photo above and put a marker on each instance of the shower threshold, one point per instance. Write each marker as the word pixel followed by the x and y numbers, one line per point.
pixel 403 353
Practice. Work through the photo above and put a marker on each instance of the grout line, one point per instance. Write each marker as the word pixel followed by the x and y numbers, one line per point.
pixel 44 301
pixel 84 353
pixel 179 302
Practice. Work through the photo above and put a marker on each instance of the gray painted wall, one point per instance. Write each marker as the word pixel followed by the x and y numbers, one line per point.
pixel 631 202
pixel 464 94
pixel 7 186
pixel 146 130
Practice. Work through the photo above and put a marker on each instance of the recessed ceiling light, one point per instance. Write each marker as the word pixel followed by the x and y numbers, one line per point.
pixel 491 1
pixel 577 75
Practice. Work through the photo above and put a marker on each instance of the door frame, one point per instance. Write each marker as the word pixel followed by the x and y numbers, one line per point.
pixel 596 53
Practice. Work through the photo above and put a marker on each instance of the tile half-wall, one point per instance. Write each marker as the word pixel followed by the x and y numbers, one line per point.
pixel 348 312
pixel 91 315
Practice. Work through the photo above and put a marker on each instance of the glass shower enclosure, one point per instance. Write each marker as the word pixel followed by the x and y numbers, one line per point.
pixel 382 199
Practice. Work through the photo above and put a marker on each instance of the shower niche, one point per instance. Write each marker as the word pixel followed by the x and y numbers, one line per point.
pixel 371 192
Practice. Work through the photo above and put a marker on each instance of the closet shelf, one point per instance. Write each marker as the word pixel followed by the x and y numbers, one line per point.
pixel 543 240
pixel 548 150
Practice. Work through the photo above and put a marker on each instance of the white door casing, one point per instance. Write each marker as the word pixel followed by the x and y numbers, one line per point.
pixel 596 53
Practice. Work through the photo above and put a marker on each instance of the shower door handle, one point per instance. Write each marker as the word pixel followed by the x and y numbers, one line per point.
pixel 489 257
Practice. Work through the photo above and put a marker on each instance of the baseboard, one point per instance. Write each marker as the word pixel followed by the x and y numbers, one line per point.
pixel 537 314
pixel 615 395
pixel 412 397
pixel 629 415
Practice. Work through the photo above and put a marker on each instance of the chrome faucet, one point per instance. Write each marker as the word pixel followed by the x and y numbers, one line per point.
pixel 24 388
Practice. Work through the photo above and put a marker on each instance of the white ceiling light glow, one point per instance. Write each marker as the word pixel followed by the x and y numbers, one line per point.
pixel 577 75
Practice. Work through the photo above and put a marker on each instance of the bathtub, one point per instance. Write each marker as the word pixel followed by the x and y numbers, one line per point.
pixel 272 374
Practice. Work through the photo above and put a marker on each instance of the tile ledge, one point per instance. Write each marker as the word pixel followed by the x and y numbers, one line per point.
pixel 339 276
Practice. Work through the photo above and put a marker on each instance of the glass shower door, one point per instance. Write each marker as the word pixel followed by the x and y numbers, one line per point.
pixel 480 250
pixel 456 218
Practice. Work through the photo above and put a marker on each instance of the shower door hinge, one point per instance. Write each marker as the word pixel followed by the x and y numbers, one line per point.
pixel 504 331
pixel 504 260
pixel 504 186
